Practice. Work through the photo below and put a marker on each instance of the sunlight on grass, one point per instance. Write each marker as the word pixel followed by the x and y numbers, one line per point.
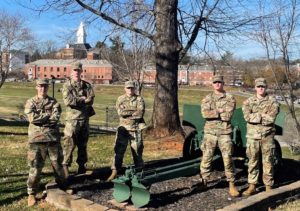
pixel 13 139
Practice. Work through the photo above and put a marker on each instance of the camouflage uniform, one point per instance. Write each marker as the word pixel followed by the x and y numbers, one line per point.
pixel 217 132
pixel 260 115
pixel 44 140
pixel 78 111
pixel 131 111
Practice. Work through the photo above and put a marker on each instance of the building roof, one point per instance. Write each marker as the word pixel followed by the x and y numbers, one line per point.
pixel 81 46
pixel 194 68
pixel 67 62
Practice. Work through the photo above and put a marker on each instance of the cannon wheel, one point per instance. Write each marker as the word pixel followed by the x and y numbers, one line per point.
pixel 189 150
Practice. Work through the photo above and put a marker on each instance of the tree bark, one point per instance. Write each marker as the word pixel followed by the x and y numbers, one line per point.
pixel 165 118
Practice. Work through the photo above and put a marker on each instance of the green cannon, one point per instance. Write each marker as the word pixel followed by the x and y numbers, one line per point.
pixel 135 183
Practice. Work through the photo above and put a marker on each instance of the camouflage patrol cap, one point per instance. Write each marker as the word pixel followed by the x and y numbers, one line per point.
pixel 260 82
pixel 129 84
pixel 42 81
pixel 217 78
pixel 77 66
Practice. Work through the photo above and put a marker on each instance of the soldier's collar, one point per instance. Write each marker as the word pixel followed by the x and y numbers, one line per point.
pixel 76 83
pixel 263 98
pixel 130 97
pixel 220 95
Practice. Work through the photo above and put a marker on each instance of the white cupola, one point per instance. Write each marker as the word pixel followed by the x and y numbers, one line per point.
pixel 81 34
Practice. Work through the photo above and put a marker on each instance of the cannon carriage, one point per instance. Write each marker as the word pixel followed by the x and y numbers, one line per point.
pixel 135 183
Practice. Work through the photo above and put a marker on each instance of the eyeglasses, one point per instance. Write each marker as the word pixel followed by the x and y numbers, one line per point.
pixel 129 87
pixel 217 82
pixel 260 86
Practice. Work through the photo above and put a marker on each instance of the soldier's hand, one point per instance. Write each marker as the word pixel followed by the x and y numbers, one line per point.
pixel 122 106
pixel 83 98
pixel 88 100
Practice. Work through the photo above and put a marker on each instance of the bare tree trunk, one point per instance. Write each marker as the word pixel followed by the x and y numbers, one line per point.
pixel 165 117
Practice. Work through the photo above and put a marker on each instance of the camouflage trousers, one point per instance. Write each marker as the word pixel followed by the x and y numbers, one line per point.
pixel 210 142
pixel 265 147
pixel 76 133
pixel 37 154
pixel 124 136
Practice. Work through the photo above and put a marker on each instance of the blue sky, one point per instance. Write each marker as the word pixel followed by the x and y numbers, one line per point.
pixel 48 25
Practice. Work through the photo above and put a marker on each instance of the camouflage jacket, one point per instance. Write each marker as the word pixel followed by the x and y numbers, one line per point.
pixel 43 116
pixel 218 123
pixel 260 115
pixel 78 109
pixel 131 111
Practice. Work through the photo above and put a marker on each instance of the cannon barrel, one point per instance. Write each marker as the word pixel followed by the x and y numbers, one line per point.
pixel 135 184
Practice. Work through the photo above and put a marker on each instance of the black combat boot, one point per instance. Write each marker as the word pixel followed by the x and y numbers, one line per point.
pixel 81 170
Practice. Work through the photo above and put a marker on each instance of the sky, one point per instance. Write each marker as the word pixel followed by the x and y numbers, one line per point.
pixel 50 25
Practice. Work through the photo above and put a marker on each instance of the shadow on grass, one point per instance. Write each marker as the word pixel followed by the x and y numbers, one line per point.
pixel 13 133
pixel 14 175
pixel 10 200
pixel 12 123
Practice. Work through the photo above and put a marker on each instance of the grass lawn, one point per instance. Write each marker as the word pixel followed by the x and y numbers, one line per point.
pixel 13 138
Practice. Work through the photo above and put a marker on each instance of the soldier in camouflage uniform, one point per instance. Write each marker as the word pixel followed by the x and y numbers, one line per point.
pixel 217 108
pixel 130 108
pixel 260 112
pixel 78 96
pixel 43 114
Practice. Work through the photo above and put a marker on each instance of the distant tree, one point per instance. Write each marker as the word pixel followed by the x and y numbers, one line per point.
pixel 248 78
pixel 279 73
pixel 129 60
pixel 227 58
pixel 35 56
pixel 19 75
pixel 14 35
pixel 100 44
pixel 48 49
pixel 173 27
pixel 278 34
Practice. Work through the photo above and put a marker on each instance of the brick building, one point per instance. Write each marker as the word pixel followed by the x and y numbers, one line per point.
pixel 95 70
pixel 191 75
pixel 198 74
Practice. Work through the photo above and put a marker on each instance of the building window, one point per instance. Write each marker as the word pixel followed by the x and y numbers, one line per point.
pixel 57 76
pixel 45 68
pixel 65 76
pixel 85 71
pixel 65 69
pixel 98 76
pixel 38 68
pixel 45 76
pixel 57 69
pixel 102 76
pixel 51 69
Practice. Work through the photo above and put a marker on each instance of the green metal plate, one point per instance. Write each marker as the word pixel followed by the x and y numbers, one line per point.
pixel 121 191
pixel 140 195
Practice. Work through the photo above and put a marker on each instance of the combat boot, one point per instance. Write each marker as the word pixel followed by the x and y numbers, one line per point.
pixel 250 191
pixel 81 170
pixel 112 176
pixel 31 200
pixel 268 188
pixel 202 185
pixel 66 171
pixel 233 190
